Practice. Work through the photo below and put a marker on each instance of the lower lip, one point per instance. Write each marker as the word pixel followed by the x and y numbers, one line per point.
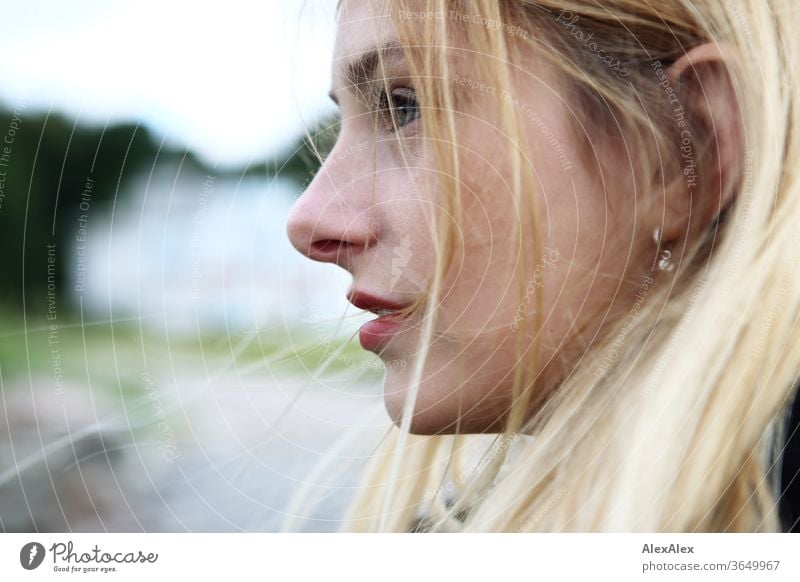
pixel 376 333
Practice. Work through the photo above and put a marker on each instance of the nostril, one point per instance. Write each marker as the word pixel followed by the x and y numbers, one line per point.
pixel 332 250
pixel 325 247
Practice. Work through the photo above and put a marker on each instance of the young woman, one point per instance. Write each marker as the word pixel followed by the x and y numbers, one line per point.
pixel 576 223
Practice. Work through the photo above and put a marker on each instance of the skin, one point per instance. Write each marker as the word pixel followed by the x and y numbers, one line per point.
pixel 367 211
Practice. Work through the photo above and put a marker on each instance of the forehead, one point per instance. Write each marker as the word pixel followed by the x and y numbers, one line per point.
pixel 362 25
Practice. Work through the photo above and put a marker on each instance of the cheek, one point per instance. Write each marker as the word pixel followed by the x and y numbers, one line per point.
pixel 588 214
pixel 499 280
pixel 481 248
pixel 483 287
pixel 400 209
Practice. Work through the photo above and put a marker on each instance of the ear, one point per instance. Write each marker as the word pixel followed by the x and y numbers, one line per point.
pixel 709 146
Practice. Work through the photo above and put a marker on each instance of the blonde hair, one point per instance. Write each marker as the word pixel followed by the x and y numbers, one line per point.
pixel 672 421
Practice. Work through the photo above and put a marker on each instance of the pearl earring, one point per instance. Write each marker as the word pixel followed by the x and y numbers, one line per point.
pixel 665 258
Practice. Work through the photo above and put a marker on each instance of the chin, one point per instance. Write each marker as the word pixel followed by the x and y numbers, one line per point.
pixel 435 411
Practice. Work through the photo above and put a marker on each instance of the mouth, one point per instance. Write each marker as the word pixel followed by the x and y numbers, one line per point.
pixel 374 334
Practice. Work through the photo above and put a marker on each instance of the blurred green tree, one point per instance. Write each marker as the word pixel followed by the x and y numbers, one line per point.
pixel 52 165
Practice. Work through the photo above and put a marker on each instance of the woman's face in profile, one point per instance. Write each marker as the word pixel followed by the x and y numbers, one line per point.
pixel 369 208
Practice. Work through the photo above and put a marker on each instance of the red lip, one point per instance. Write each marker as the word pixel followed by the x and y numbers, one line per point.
pixel 374 334
pixel 369 302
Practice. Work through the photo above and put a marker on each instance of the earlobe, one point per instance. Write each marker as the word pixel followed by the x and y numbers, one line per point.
pixel 710 144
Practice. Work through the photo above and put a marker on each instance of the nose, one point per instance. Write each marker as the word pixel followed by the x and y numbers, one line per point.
pixel 332 224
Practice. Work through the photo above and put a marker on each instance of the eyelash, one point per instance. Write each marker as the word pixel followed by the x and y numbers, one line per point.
pixel 391 104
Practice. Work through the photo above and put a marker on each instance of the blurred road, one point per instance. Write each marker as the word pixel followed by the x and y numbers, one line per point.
pixel 188 457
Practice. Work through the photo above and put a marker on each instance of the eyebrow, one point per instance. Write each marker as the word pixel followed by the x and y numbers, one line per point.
pixel 362 70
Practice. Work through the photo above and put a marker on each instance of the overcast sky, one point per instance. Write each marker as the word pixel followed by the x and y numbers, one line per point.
pixel 232 80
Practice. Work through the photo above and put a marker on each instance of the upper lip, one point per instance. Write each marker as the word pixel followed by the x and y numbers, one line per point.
pixel 372 303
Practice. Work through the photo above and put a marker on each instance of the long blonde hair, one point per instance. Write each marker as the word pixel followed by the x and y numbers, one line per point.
pixel 672 421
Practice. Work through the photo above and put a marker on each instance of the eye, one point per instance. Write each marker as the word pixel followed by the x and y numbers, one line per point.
pixel 399 108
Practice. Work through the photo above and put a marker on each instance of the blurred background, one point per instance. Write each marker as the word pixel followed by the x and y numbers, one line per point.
pixel 161 342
